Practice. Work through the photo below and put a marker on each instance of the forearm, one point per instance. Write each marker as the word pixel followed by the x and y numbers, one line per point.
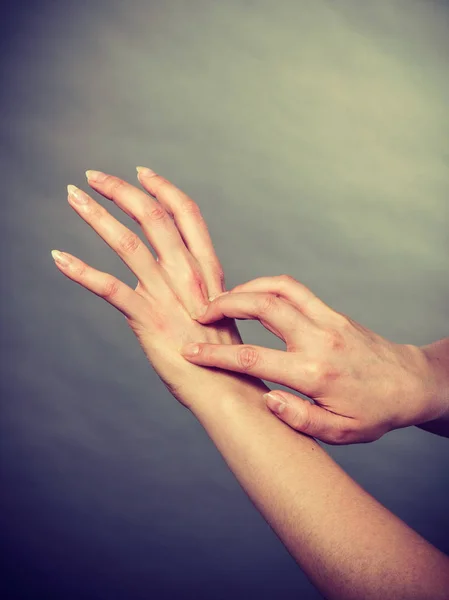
pixel 348 544
pixel 437 355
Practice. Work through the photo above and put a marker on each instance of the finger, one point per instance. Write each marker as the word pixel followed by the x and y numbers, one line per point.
pixel 190 223
pixel 102 284
pixel 309 418
pixel 265 363
pixel 185 280
pixel 275 314
pixel 295 292
pixel 122 240
pixel 159 229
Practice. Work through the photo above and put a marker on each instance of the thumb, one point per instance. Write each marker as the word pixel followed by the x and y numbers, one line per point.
pixel 309 418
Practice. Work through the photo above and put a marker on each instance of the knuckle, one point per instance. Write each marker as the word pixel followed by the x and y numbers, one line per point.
pixel 155 213
pixel 79 270
pixel 247 357
pixel 189 207
pixel 333 339
pixel 286 279
pixel 111 289
pixel 300 421
pixel 96 212
pixel 342 321
pixel 161 181
pixel 329 373
pixel 266 303
pixel 115 185
pixel 129 242
pixel 313 371
pixel 160 185
pixel 292 345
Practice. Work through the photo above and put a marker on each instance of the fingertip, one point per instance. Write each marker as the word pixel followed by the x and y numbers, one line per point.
pixel 190 350
pixel 200 314
pixel 144 171
pixel 275 403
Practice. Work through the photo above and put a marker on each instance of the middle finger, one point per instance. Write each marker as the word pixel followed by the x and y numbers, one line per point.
pixel 154 220
pixel 191 225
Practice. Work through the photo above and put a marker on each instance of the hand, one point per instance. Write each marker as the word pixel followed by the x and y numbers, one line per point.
pixel 362 384
pixel 177 283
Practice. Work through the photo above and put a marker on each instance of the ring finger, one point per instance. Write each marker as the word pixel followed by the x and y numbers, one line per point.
pixel 177 267
pixel 191 225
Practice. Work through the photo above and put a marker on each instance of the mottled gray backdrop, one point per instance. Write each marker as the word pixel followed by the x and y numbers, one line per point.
pixel 314 136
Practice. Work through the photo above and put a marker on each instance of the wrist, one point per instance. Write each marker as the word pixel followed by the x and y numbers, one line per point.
pixel 239 389
pixel 436 384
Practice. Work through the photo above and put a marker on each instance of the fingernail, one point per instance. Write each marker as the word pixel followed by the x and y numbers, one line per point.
pixel 217 296
pixel 60 258
pixel 77 195
pixel 190 350
pixel 145 171
pixel 201 312
pixel 275 402
pixel 96 176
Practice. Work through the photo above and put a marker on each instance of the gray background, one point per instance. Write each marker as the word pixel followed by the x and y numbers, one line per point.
pixel 314 137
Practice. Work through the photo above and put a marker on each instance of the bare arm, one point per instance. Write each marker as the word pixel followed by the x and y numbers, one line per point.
pixel 349 545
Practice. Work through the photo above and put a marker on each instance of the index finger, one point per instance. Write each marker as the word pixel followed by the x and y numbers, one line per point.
pixel 296 293
pixel 190 223
pixel 275 314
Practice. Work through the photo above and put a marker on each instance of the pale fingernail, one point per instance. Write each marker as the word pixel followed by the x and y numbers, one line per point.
pixel 76 195
pixel 190 350
pixel 275 402
pixel 145 171
pixel 217 296
pixel 60 258
pixel 96 176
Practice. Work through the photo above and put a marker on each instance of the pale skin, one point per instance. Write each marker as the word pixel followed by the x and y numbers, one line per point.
pixel 348 544
pixel 362 384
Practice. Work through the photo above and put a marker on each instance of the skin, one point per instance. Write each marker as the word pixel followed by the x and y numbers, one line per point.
pixel 347 543
pixel 362 384
pixel 169 288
